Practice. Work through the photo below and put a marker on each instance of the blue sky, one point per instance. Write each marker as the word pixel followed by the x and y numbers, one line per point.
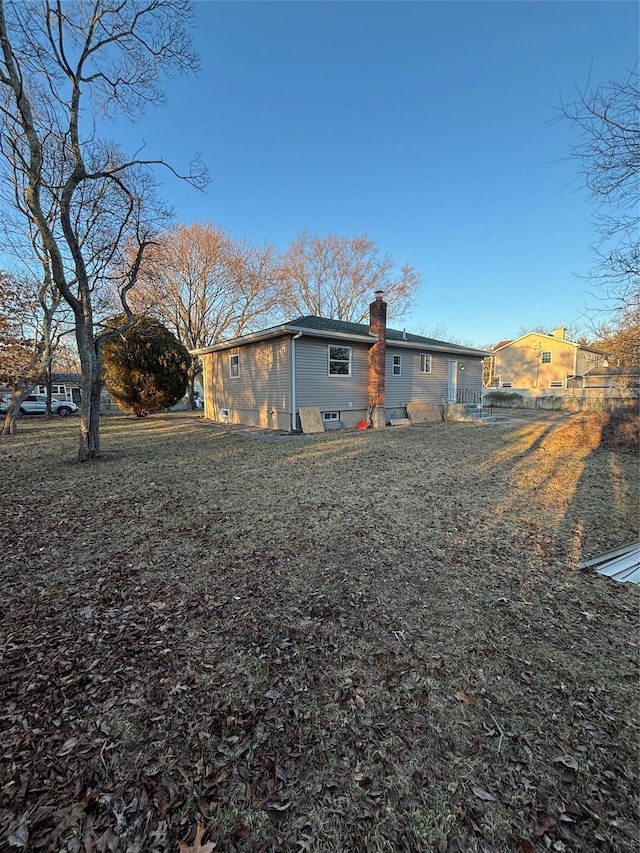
pixel 425 125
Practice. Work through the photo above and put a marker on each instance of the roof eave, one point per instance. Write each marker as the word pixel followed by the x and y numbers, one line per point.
pixel 305 331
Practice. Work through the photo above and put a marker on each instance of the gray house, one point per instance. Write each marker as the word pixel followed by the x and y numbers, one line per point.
pixel 346 370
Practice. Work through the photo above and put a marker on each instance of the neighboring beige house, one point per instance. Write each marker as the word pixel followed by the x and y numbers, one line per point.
pixel 536 363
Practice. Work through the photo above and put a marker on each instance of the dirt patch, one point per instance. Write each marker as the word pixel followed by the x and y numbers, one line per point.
pixel 363 641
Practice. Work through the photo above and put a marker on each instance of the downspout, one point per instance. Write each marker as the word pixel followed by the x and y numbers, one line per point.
pixel 294 419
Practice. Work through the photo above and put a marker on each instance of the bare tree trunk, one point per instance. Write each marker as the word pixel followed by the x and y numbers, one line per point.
pixel 191 399
pixel 11 419
pixel 90 352
pixel 10 422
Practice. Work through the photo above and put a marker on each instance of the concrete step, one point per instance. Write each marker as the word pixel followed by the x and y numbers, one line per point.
pixel 469 412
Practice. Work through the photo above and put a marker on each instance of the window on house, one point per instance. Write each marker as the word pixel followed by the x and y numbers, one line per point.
pixel 234 366
pixel 55 389
pixel 339 361
pixel 557 384
pixel 507 384
pixel 425 363
pixel 397 365
pixel 331 416
pixel 545 357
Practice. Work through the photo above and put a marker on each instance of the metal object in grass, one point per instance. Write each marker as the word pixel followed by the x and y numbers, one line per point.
pixel 621 564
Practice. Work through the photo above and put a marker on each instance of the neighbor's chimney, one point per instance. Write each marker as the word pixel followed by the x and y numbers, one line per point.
pixel 377 357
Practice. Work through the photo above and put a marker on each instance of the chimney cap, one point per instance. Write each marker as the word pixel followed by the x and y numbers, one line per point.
pixel 378 294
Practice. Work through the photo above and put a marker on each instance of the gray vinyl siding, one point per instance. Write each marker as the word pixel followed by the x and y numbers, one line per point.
pixel 261 393
pixel 471 377
pixel 314 386
pixel 412 386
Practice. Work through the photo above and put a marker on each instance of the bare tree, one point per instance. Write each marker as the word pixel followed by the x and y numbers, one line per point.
pixel 29 336
pixel 620 336
pixel 205 286
pixel 336 277
pixel 607 121
pixel 86 200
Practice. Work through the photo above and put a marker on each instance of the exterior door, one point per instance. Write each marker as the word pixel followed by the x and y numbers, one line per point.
pixel 452 385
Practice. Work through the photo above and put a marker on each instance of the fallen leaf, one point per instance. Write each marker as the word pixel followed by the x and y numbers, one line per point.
pixel 544 823
pixel 567 760
pixel 360 701
pixel 197 846
pixel 19 837
pixel 443 843
pixel 107 842
pixel 482 794
pixel 597 808
pixel 469 699
pixel 277 807
pixel 524 846
pixel 68 746
pixel 272 694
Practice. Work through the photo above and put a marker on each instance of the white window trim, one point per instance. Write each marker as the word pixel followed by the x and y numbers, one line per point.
pixel 236 356
pixel 427 360
pixel 338 360
pixel 397 364
pixel 331 416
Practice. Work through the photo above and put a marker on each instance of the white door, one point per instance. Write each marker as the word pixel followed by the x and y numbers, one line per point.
pixel 452 389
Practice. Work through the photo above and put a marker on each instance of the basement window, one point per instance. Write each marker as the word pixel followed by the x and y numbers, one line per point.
pixel 331 416
pixel 234 366
pixel 425 363
pixel 507 384
pixel 557 384
pixel 339 361
pixel 545 357
pixel 396 368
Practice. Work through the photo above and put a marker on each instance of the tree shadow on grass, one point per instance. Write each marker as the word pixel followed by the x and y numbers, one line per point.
pixel 606 489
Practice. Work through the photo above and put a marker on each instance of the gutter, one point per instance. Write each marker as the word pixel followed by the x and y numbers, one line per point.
pixel 298 331
pixel 294 420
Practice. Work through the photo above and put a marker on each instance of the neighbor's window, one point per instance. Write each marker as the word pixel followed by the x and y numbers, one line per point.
pixel 234 366
pixel 545 358
pixel 331 416
pixel 425 363
pixel 339 361
pixel 397 365
pixel 55 389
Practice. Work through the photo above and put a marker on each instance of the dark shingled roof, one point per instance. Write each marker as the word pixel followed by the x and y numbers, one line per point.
pixel 325 325
pixel 66 377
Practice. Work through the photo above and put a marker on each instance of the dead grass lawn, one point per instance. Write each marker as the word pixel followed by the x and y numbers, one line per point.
pixel 359 641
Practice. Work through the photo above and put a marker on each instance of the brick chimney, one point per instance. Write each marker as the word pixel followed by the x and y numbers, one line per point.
pixel 377 357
